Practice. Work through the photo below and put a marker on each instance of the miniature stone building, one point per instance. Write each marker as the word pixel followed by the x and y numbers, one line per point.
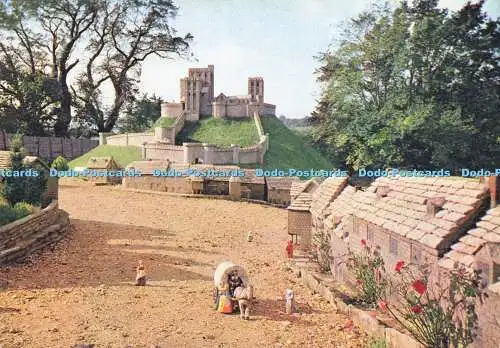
pixel 103 170
pixel 299 216
pixel 254 185
pixel 479 248
pixel 278 190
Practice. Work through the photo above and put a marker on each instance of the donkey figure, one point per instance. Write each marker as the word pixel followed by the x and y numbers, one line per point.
pixel 244 296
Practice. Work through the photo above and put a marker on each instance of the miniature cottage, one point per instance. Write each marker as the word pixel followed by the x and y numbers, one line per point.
pixel 278 190
pixel 103 170
pixel 299 216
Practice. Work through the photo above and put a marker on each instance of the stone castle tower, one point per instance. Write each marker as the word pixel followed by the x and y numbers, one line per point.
pixel 197 98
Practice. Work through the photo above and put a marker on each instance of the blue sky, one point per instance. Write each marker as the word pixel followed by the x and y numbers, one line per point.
pixel 273 39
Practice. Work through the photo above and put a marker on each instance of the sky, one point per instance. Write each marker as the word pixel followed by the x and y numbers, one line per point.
pixel 276 40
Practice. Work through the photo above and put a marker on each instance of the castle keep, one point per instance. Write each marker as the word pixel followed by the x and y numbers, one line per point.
pixel 197 98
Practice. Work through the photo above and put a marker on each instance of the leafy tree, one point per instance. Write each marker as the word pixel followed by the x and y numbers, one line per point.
pixel 116 37
pixel 60 164
pixel 140 115
pixel 413 86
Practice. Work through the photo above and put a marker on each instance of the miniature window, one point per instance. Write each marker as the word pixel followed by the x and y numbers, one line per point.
pixel 370 236
pixel 416 255
pixel 394 246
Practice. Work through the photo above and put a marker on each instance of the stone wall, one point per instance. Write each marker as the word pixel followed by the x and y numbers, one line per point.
pixel 129 139
pixel 279 196
pixel 173 153
pixel 489 319
pixel 156 183
pixel 49 148
pixel 24 236
pixel 299 223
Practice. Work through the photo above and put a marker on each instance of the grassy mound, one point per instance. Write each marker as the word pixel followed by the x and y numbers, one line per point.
pixel 121 154
pixel 288 149
pixel 221 132
pixel 163 122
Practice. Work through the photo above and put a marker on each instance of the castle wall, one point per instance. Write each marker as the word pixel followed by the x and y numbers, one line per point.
pixel 128 139
pixel 236 110
pixel 171 110
pixel 169 152
pixel 268 109
pixel 193 151
pixel 158 183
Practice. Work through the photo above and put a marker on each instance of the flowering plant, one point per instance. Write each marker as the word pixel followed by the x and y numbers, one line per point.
pixel 368 267
pixel 438 314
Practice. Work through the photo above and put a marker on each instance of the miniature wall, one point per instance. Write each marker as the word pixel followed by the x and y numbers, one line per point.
pixel 489 319
pixel 49 148
pixel 279 196
pixel 36 231
pixel 164 184
pixel 299 223
pixel 129 139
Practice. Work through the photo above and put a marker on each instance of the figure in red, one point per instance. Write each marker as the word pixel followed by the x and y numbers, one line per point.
pixel 289 249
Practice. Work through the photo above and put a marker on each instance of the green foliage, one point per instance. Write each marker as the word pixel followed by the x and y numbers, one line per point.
pixel 140 115
pixel 437 315
pixel 403 88
pixel 22 187
pixel 60 164
pixel 368 268
pixel 123 155
pixel 163 122
pixel 378 343
pixel 9 214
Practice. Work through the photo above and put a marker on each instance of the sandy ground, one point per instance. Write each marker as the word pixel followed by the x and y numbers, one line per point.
pixel 82 290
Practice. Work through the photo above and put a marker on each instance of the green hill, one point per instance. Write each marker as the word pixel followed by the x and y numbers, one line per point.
pixel 287 149
pixel 221 132
pixel 121 154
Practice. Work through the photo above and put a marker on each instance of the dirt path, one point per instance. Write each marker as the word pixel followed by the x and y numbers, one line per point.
pixel 82 291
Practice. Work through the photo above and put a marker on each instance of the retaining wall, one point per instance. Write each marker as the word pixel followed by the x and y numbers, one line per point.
pixel 31 233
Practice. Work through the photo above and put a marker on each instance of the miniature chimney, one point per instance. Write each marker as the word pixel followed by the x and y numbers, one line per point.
pixel 434 205
pixel 493 186
pixel 382 191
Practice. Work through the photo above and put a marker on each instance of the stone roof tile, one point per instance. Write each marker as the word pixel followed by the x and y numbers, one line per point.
pixel 302 202
pixel 447 263
pixel 492 237
pixel 426 227
pixel 494 211
pixel 471 240
pixel 431 240
pixel 465 248
pixel 486 225
pixel 454 217
pixel 415 234
pixel 477 232
pixel 455 255
pixel 445 224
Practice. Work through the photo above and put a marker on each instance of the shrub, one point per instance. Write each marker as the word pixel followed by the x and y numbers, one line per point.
pixel 23 209
pixel 438 315
pixel 322 251
pixel 9 214
pixel 60 164
pixel 368 268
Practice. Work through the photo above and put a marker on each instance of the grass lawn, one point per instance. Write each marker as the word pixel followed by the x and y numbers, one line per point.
pixel 220 132
pixel 163 122
pixel 287 149
pixel 121 154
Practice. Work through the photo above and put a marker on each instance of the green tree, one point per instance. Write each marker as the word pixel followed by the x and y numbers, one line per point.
pixel 140 115
pixel 21 188
pixel 412 86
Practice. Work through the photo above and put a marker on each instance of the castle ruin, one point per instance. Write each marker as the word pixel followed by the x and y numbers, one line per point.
pixel 197 98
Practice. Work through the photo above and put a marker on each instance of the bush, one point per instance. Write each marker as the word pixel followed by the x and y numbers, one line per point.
pixel 9 214
pixel 438 315
pixel 60 164
pixel 368 267
pixel 23 209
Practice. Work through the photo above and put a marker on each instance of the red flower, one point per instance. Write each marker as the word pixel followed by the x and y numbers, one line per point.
pixel 419 286
pixel 416 309
pixel 382 305
pixel 363 242
pixel 359 282
pixel 378 275
pixel 399 265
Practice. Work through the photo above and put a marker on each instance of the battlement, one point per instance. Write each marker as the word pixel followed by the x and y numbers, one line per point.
pixel 197 98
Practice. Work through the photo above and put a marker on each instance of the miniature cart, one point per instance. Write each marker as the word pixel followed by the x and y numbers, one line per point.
pixel 222 275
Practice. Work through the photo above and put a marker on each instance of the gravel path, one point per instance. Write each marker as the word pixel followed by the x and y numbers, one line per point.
pixel 82 291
